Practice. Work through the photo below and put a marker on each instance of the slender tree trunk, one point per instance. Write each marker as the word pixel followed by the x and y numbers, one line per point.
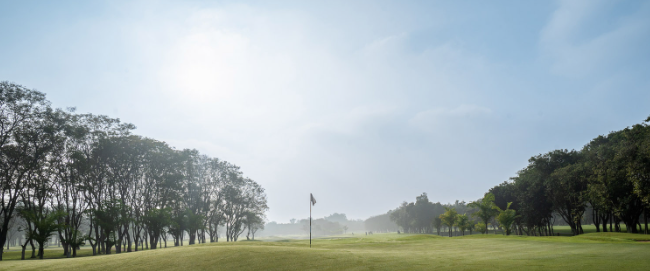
pixel 31 243
pixel 595 217
pixel 22 255
pixel 118 246
pixel 24 247
pixel 152 241
pixel 128 241
pixel 66 248
pixel 645 217
pixel 40 251
pixel 93 246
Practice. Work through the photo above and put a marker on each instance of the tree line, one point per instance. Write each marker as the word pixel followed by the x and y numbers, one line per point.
pixel 608 180
pixel 87 179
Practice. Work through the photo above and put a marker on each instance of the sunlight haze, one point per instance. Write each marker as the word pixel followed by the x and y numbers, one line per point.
pixel 365 104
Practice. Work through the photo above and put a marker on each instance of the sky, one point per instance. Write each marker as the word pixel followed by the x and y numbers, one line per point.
pixel 365 104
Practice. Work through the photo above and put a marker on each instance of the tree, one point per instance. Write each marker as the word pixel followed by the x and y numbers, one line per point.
pixel 506 218
pixel 481 227
pixel 505 193
pixel 485 208
pixel 253 222
pixel 44 227
pixel 565 183
pixel 417 216
pixel 241 195
pixel 638 168
pixel 471 226
pixel 611 188
pixel 463 223
pixel 535 206
pixel 90 168
pixel 401 217
pixel 449 218
pixel 23 145
pixel 437 224
pixel 380 223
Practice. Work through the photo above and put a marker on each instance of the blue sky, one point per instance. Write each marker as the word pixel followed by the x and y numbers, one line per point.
pixel 363 103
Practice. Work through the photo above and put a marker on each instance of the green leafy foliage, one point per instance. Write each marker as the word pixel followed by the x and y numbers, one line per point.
pixel 485 208
pixel 506 218
pixel 449 218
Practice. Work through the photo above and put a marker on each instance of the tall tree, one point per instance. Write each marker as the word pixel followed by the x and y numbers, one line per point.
pixel 506 218
pixel 485 208
pixel 463 223
pixel 23 145
pixel 449 218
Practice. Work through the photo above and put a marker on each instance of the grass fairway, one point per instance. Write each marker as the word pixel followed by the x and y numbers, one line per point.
pixel 594 251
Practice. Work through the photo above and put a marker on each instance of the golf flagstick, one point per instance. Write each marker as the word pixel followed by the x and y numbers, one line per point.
pixel 312 201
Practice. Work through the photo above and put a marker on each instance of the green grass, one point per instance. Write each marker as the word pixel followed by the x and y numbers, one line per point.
pixel 593 251
pixel 53 252
pixel 566 230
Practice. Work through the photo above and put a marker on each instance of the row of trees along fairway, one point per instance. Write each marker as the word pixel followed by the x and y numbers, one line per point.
pixel 608 180
pixel 610 176
pixel 87 178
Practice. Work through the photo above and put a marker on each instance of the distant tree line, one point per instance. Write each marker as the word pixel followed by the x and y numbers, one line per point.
pixel 380 223
pixel 608 180
pixel 88 180
pixel 424 216
pixel 336 223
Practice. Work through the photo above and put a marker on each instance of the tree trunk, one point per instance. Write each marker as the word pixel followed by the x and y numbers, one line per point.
pixel 645 217
pixel 128 241
pixel 595 217
pixel 66 251
pixel 31 243
pixel 94 247
pixel 118 242
pixel 40 251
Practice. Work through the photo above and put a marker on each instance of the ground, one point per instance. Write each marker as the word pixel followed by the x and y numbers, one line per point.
pixel 592 251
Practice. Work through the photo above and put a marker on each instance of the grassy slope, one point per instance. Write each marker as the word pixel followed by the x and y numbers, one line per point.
pixel 595 251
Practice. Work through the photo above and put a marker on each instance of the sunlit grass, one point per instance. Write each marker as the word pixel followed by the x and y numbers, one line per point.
pixel 594 251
